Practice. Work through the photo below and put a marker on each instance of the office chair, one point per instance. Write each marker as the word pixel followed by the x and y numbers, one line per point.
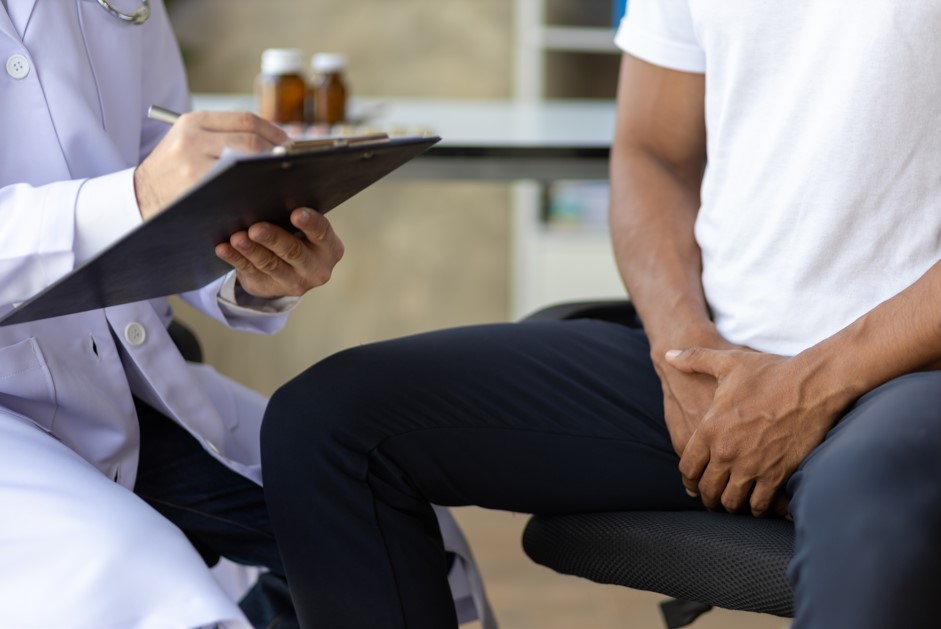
pixel 702 560
pixel 185 341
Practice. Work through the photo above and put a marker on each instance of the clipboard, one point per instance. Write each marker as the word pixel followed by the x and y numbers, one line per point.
pixel 174 252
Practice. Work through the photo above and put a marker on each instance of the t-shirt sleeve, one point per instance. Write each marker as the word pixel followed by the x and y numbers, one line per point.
pixel 661 32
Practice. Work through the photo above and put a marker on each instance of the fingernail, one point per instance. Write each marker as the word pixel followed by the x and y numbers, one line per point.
pixel 242 244
pixel 673 353
pixel 304 216
pixel 262 235
pixel 692 494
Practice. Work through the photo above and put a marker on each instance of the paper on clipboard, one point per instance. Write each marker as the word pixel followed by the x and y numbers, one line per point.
pixel 174 252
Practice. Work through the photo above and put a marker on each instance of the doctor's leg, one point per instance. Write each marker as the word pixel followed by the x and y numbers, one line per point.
pixel 81 551
pixel 222 513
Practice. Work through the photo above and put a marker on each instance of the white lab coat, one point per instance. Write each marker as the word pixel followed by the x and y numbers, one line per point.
pixel 78 548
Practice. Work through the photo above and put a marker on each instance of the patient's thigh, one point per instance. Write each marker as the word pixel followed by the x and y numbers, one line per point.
pixel 81 551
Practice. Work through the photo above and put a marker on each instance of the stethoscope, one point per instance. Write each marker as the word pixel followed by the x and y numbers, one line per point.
pixel 137 18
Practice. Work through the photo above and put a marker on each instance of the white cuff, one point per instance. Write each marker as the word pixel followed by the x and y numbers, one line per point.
pixel 234 300
pixel 659 52
pixel 106 210
pixel 644 36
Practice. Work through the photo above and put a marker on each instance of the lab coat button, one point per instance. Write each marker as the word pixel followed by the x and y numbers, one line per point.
pixel 135 334
pixel 17 66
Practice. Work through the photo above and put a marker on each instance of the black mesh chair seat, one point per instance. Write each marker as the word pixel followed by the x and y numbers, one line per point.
pixel 729 561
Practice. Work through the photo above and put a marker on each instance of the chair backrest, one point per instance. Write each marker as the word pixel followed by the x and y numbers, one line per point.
pixel 614 310
pixel 185 341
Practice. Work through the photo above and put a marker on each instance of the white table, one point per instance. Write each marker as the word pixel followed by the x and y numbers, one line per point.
pixel 486 139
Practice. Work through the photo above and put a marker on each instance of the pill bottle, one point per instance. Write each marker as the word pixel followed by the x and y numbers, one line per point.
pixel 328 89
pixel 280 88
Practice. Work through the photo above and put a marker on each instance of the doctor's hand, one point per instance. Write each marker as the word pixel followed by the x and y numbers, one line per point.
pixel 191 147
pixel 270 262
pixel 768 413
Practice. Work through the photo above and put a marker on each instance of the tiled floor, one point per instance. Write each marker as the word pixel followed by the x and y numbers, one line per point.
pixel 528 596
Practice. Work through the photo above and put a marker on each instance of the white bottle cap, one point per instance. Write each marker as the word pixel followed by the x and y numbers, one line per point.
pixel 328 63
pixel 282 61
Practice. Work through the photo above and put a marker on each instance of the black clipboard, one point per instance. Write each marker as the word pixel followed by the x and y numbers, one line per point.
pixel 174 252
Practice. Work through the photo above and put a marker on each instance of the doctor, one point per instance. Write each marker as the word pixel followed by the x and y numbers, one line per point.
pixel 105 500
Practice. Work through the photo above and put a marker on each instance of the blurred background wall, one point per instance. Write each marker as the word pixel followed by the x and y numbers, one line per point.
pixel 419 255
pixel 410 48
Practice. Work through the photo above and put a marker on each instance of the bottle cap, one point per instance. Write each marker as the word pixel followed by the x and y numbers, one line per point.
pixel 282 61
pixel 328 63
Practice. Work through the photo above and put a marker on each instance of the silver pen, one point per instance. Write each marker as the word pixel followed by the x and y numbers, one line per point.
pixel 156 112
pixel 161 114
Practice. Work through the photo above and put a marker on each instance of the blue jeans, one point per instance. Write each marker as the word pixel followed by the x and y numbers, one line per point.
pixel 222 513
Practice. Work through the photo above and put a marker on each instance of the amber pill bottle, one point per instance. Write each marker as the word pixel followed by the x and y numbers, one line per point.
pixel 280 88
pixel 328 89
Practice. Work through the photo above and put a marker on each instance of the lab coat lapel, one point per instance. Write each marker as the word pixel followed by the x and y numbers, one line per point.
pixel 103 35
pixel 7 28
pixel 19 13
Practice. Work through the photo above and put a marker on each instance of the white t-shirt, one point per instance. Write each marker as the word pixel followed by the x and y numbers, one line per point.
pixel 822 197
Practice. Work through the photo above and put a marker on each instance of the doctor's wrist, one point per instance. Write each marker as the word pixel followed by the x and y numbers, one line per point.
pixel 148 203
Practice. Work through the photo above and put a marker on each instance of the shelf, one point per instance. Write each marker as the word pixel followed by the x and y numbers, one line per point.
pixel 578 39
pixel 559 263
pixel 548 48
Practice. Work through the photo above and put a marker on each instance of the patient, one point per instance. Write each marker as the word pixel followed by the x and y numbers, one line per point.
pixel 789 296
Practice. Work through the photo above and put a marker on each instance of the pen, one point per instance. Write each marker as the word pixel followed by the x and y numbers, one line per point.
pixel 156 112
pixel 162 114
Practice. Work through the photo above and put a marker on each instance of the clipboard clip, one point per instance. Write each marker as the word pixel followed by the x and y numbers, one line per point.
pixel 312 146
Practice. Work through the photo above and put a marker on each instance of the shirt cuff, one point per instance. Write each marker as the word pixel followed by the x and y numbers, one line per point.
pixel 105 210
pixel 234 300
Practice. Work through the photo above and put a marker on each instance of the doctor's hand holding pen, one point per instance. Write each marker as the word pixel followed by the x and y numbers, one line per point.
pixel 270 262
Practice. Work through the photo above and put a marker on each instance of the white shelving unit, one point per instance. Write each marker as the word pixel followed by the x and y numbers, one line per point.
pixel 550 266
pixel 535 36
pixel 578 39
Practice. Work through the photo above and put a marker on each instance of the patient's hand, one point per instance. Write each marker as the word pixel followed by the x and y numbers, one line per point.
pixel 768 413
pixel 686 396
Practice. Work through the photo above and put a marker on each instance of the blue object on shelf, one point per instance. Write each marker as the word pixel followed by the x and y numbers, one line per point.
pixel 619 8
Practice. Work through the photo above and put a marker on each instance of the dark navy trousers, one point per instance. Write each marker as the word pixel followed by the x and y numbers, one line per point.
pixel 222 513
pixel 558 418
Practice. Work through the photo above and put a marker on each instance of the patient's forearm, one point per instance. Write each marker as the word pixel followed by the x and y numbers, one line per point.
pixel 900 336
pixel 656 173
pixel 652 216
